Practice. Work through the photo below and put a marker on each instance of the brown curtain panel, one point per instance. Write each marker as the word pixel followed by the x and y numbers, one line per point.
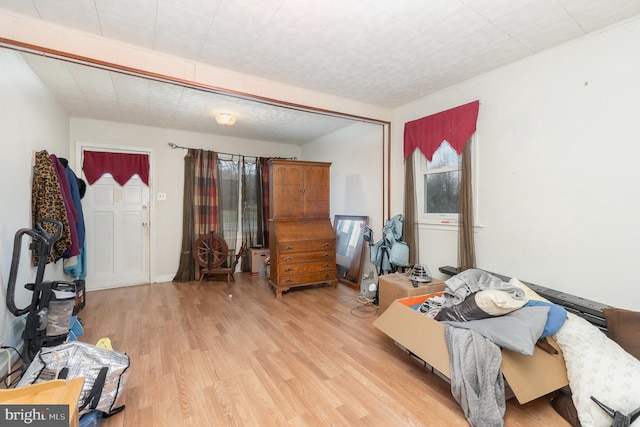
pixel 264 165
pixel 261 221
pixel 466 244
pixel 187 268
pixel 410 218
pixel 251 203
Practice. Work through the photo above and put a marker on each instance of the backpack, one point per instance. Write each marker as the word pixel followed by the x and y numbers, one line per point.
pixel 389 252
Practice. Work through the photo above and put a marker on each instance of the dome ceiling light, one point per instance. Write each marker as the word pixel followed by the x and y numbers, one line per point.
pixel 225 119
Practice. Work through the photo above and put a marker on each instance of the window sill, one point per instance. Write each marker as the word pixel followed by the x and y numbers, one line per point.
pixel 445 225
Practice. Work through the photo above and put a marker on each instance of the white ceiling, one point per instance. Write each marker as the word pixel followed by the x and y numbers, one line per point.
pixel 381 52
pixel 108 95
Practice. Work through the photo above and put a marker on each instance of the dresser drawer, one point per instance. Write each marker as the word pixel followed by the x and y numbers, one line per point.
pixel 308 278
pixel 307 246
pixel 306 267
pixel 296 257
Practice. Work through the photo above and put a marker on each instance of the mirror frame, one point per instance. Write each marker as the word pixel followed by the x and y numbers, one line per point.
pixel 355 264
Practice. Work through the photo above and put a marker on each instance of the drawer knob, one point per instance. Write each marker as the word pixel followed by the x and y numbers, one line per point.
pixel 288 258
pixel 326 245
pixel 288 248
pixel 288 281
pixel 327 276
pixel 326 255
pixel 288 270
pixel 326 266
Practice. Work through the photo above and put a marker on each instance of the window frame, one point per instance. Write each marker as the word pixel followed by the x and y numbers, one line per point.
pixel 444 220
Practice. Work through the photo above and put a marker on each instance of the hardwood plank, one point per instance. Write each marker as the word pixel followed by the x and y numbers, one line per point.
pixel 201 358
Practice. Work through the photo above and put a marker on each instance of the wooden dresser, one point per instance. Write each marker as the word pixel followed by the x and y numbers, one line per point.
pixel 301 238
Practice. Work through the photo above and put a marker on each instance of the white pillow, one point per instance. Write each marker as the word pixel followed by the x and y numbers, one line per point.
pixel 597 366
pixel 496 302
pixel 530 293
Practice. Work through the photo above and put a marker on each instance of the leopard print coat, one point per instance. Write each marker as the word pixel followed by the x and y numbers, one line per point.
pixel 47 201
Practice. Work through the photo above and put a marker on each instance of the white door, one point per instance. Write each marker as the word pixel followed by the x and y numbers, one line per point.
pixel 118 232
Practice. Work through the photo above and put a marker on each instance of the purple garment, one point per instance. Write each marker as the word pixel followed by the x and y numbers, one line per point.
pixel 72 216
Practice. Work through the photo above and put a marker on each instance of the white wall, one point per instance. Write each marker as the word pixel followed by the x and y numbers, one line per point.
pixel 558 175
pixel 167 175
pixel 356 156
pixel 30 121
pixel 355 153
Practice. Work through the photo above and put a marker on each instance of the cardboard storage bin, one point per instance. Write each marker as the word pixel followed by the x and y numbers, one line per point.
pixel 256 259
pixel 397 285
pixel 529 377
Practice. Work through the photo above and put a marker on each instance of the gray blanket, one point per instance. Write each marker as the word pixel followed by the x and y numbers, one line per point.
pixel 476 377
pixel 458 287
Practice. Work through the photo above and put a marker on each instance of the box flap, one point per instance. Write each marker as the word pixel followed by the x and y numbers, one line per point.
pixel 529 377
pixel 534 376
pixel 408 327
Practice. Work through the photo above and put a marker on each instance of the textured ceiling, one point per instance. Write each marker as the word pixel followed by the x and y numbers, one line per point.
pixel 107 95
pixel 381 52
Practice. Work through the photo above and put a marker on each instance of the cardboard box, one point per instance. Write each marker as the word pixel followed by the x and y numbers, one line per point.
pixel 397 285
pixel 256 259
pixel 529 377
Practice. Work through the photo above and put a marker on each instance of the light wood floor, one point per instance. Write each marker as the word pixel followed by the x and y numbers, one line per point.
pixel 200 358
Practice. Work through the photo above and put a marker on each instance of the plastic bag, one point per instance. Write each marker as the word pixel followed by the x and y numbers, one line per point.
pixel 399 254
pixel 105 373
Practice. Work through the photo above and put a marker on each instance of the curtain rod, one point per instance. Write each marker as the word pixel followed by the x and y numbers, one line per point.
pixel 172 145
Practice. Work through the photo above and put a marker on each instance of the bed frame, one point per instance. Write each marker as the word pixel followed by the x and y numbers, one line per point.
pixel 590 310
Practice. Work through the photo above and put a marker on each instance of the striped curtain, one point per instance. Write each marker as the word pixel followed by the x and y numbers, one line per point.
pixel 205 192
pixel 200 207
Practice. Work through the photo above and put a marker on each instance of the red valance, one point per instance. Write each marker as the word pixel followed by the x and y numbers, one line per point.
pixel 122 166
pixel 454 126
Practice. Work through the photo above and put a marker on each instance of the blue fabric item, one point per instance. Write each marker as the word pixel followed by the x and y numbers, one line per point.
pixel 555 319
pixel 79 269
pixel 91 419
pixel 76 326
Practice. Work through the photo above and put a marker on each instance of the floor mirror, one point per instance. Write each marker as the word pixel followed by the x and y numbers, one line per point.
pixel 349 231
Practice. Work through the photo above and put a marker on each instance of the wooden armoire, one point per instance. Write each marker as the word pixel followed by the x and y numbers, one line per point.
pixel 302 243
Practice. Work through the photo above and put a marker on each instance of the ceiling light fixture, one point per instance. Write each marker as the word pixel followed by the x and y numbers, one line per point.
pixel 225 119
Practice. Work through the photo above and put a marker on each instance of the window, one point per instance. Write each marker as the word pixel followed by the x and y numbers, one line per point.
pixel 240 201
pixel 438 184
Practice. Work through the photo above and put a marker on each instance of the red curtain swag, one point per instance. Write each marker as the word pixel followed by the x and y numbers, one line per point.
pixel 454 126
pixel 122 166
